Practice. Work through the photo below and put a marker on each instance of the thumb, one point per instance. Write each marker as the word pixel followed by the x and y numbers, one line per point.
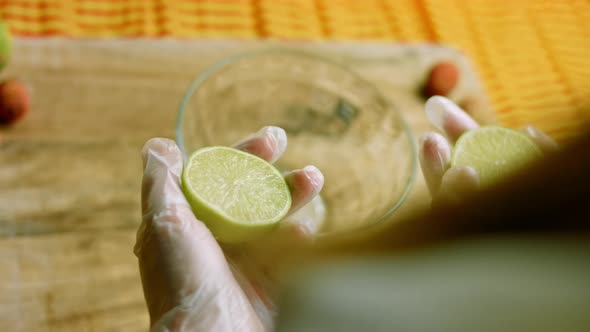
pixel 165 210
pixel 179 260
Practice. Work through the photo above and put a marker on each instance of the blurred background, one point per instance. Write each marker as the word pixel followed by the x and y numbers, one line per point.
pixel 532 55
pixel 89 81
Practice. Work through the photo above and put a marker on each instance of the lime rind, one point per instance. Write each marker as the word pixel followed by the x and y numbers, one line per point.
pixel 494 152
pixel 5 44
pixel 238 196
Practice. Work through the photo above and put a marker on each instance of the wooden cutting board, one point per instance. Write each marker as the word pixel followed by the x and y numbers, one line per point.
pixel 70 172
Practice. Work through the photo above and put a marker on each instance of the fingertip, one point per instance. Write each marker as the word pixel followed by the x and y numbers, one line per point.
pixel 435 155
pixel 163 145
pixel 434 145
pixel 448 117
pixel 160 147
pixel 279 136
pixel 315 177
pixel 544 141
pixel 304 184
pixel 162 162
pixel 269 143
pixel 465 171
pixel 434 108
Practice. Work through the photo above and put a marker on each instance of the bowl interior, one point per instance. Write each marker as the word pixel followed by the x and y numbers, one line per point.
pixel 334 120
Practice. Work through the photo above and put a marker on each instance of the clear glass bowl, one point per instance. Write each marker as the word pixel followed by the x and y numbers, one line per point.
pixel 334 120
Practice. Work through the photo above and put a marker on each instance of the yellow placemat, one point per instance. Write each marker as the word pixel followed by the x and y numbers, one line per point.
pixel 533 55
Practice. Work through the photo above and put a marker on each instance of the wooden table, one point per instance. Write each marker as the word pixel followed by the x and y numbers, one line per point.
pixel 70 172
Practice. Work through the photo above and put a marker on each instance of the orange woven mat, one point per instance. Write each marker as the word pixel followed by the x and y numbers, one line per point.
pixel 533 55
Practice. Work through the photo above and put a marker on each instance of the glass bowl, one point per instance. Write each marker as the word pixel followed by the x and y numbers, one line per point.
pixel 334 119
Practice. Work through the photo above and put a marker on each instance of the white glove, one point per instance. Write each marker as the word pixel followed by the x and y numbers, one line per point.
pixel 453 183
pixel 189 284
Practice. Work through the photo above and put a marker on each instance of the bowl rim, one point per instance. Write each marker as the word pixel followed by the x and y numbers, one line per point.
pixel 228 60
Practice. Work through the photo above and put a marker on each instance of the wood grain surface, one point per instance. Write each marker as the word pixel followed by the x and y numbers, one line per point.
pixel 70 172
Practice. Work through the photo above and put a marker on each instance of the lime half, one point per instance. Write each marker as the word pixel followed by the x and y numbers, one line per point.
pixel 494 152
pixel 238 196
pixel 5 44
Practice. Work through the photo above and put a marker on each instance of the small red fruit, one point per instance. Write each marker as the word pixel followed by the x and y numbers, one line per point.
pixel 15 101
pixel 443 77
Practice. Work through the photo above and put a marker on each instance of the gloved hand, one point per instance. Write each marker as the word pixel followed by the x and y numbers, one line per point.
pixel 452 183
pixel 190 282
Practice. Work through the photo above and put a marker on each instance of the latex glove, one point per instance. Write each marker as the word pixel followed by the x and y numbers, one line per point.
pixel 189 281
pixel 451 184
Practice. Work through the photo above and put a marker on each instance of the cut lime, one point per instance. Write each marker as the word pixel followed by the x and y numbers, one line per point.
pixel 494 152
pixel 238 196
pixel 5 44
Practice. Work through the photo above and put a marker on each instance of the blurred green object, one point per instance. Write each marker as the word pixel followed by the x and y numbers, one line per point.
pixel 510 283
pixel 5 44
